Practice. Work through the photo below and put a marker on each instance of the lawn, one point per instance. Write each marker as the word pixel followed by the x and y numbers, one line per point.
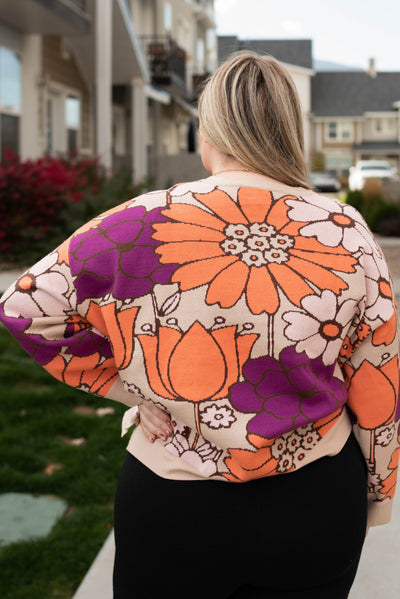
pixel 54 443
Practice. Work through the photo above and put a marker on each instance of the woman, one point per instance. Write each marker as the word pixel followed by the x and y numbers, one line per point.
pixel 253 322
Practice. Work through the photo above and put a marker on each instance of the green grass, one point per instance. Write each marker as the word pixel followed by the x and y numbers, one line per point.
pixel 36 415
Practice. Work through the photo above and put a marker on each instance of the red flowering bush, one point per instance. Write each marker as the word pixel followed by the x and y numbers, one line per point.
pixel 43 201
pixel 33 196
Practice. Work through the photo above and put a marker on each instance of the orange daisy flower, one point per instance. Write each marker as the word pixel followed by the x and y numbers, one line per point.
pixel 249 246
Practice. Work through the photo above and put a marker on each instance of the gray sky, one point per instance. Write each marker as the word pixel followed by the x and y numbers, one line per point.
pixel 344 31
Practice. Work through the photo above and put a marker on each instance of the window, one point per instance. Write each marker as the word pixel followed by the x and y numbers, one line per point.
pixel 332 130
pixel 63 121
pixel 73 123
pixel 384 125
pixel 9 127
pixel 119 130
pixel 346 130
pixel 338 163
pixel 340 131
pixel 168 17
pixel 200 55
pixel 10 100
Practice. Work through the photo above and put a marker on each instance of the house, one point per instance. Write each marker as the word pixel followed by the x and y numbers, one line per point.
pixel 347 115
pixel 356 116
pixel 111 78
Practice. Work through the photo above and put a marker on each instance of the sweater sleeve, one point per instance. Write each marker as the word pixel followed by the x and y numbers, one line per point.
pixel 40 311
pixel 370 362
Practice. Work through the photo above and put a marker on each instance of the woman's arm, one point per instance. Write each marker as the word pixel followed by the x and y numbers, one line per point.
pixel 40 311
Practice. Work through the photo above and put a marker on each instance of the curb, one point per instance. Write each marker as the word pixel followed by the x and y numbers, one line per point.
pixel 97 584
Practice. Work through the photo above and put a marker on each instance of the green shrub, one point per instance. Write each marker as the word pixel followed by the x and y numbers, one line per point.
pixel 381 216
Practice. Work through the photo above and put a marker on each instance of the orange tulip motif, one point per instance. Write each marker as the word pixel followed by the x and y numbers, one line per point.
pixel 195 366
pixel 363 383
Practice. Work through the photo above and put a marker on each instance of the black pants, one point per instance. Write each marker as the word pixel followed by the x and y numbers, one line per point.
pixel 296 535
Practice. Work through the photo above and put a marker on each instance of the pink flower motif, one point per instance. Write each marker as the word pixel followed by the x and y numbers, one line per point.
pixel 32 296
pixel 379 292
pixel 319 329
pixel 202 186
pixel 204 458
pixel 386 436
pixel 331 222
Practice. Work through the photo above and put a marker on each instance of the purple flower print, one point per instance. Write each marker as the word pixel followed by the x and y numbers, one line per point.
pixel 82 343
pixel 287 393
pixel 86 343
pixel 42 350
pixel 117 256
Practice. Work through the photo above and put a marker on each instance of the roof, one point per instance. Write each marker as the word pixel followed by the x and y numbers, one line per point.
pixel 378 146
pixel 353 93
pixel 294 52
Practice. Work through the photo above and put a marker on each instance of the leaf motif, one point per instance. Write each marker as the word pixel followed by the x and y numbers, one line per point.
pixel 170 304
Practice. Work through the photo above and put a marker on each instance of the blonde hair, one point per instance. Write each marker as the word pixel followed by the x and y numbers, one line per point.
pixel 250 110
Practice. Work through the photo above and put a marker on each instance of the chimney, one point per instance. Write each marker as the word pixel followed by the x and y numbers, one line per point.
pixel 371 68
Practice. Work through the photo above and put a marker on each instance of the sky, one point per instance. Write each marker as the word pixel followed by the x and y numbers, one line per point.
pixel 349 32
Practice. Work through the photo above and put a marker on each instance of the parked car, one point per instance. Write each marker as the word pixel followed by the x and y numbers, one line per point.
pixel 324 181
pixel 367 169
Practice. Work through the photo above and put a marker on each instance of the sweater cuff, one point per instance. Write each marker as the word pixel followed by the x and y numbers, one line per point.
pixel 379 512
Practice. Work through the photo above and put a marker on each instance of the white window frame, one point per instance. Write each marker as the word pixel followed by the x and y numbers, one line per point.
pixel 385 127
pixel 168 18
pixel 341 126
pixel 59 93
pixel 16 112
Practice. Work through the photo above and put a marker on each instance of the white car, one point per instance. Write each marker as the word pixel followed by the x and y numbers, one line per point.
pixel 367 169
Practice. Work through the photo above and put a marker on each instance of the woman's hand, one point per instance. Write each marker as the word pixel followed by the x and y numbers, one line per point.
pixel 154 421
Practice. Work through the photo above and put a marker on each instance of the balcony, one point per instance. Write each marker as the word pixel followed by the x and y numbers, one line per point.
pixel 166 61
pixel 204 11
pixel 58 17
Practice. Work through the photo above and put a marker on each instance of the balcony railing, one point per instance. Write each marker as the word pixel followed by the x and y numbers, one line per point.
pixel 166 61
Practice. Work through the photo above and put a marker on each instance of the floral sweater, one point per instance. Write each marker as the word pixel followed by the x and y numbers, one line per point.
pixel 261 319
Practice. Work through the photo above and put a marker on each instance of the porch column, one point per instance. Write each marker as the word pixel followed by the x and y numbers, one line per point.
pixel 104 82
pixel 33 113
pixel 139 130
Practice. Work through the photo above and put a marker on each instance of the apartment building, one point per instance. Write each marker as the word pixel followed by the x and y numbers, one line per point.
pixel 179 40
pixel 347 115
pixel 111 78
pixel 356 116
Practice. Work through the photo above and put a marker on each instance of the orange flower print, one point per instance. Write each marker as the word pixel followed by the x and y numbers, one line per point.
pixel 389 483
pixel 350 345
pixel 249 246
pixel 197 365
pixel 362 385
